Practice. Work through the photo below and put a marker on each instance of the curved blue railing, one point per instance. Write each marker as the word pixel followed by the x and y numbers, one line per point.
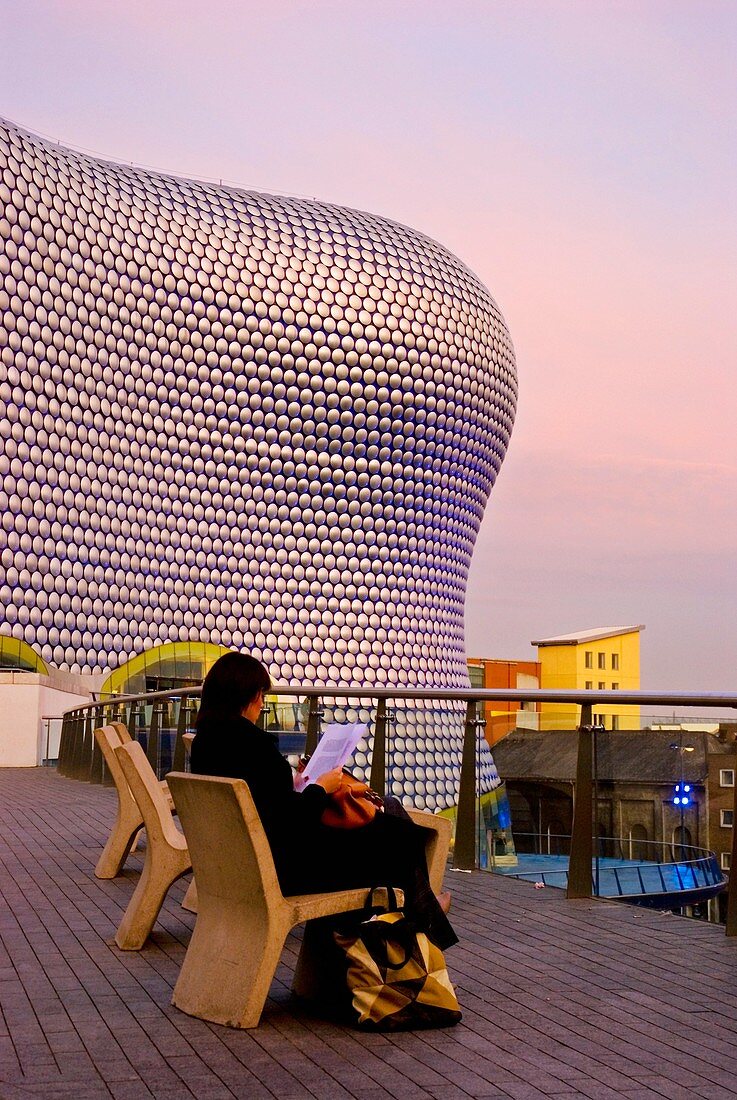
pixel 675 875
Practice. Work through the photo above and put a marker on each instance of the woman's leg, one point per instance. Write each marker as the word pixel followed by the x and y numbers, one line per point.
pixel 400 845
pixel 388 852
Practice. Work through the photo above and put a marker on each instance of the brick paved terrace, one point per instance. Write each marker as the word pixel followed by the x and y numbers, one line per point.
pixel 560 998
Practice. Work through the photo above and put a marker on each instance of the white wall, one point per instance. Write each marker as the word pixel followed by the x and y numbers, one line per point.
pixel 25 699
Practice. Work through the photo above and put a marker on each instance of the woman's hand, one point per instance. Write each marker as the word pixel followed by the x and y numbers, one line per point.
pixel 330 781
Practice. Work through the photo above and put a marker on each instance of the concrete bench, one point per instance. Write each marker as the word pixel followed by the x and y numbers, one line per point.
pixel 436 849
pixel 243 917
pixel 128 820
pixel 438 844
pixel 167 856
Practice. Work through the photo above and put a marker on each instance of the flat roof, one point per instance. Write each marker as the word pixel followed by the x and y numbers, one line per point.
pixel 589 635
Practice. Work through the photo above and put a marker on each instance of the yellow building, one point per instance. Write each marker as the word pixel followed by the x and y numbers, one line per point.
pixel 607 659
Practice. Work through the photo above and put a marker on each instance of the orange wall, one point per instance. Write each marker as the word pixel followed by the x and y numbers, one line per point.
pixel 502 717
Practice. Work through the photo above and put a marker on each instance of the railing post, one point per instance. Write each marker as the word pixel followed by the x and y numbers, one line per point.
pixel 377 781
pixel 599 852
pixel 133 719
pixel 579 864
pixel 70 751
pixel 76 763
pixel 115 713
pixel 97 763
pixel 152 746
pixel 66 741
pixel 313 724
pixel 179 755
pixel 731 926
pixel 464 852
pixel 83 748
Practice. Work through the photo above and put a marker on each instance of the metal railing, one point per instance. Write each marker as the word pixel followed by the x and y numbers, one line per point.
pixel 50 740
pixel 159 720
pixel 673 872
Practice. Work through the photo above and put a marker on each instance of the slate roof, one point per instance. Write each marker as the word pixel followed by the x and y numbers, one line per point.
pixel 636 756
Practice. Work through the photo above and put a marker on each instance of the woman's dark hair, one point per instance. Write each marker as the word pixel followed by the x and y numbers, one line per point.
pixel 231 684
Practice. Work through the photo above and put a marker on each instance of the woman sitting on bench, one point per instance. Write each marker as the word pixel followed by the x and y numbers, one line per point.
pixel 310 857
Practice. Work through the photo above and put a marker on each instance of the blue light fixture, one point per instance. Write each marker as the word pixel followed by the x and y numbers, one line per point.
pixel 682 794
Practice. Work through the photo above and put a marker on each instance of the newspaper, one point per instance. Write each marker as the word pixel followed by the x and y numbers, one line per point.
pixel 334 749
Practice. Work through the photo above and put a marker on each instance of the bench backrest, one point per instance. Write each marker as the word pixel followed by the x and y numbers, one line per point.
pixel 123 732
pixel 231 857
pixel 109 738
pixel 148 793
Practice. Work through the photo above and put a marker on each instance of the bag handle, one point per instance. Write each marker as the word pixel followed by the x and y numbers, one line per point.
pixel 378 934
pixel 394 900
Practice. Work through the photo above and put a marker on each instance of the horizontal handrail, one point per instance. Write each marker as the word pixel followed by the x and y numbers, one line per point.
pixel 625 842
pixel 460 695
pixel 612 876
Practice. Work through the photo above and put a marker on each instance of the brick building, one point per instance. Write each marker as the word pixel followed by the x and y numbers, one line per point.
pixel 637 774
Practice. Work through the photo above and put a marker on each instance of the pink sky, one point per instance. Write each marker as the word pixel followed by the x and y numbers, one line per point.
pixel 580 156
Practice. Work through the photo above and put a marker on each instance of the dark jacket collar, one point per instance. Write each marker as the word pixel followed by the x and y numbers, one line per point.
pixel 214 726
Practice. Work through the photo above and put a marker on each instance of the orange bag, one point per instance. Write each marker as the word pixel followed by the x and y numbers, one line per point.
pixel 353 804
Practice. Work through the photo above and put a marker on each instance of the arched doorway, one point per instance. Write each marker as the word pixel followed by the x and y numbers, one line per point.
pixel 556 841
pixel 638 846
pixel 168 667
pixel 682 842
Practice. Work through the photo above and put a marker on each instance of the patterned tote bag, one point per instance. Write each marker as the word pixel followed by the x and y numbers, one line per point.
pixel 396 977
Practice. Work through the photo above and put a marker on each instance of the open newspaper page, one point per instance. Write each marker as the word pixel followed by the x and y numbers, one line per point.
pixel 334 750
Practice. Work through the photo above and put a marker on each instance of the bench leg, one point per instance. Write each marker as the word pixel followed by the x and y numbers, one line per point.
pixel 190 898
pixel 157 876
pixel 320 973
pixel 229 966
pixel 120 844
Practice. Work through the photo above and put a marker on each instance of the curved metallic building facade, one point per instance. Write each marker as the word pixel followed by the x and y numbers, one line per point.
pixel 269 423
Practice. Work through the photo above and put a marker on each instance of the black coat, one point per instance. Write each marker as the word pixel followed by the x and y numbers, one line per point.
pixel 238 749
pixel 311 857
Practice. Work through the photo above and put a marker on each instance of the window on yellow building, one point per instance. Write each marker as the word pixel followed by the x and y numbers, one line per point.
pixel 602 659
pixel 589 685
pixel 588 658
pixel 615 687
pixel 602 685
pixel 615 662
